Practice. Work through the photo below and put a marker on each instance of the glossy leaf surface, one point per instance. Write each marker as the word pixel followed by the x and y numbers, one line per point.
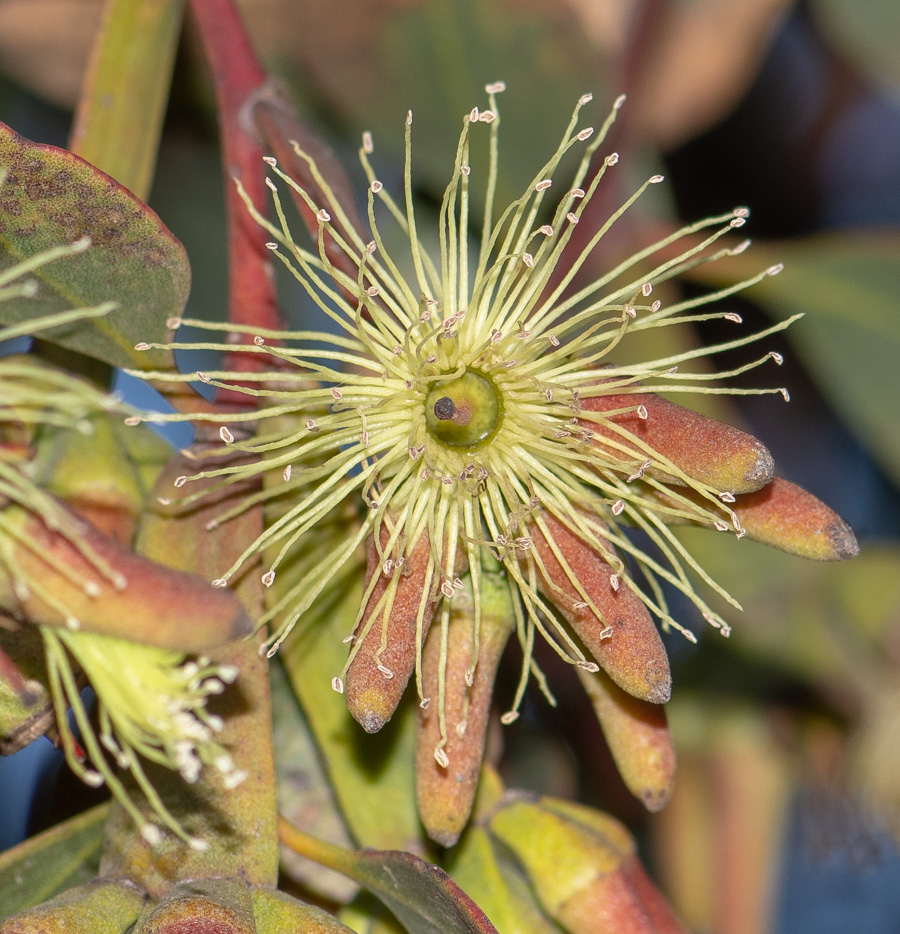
pixel 42 867
pixel 422 896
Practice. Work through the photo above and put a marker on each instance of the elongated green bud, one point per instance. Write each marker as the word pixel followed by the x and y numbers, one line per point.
pixel 100 907
pixel 638 737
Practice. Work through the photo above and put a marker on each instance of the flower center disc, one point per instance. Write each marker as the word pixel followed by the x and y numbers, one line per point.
pixel 463 412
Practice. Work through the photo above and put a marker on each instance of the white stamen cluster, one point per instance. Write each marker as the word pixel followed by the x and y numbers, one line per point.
pixel 351 424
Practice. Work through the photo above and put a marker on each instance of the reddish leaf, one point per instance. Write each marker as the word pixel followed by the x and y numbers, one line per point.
pixel 50 198
pixel 422 896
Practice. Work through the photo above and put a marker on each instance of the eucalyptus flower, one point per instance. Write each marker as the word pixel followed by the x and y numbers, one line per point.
pixel 151 701
pixel 468 416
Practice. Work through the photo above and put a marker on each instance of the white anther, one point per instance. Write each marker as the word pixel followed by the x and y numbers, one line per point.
pixel 612 158
pixel 498 87
pixel 737 222
pixel 774 270
pixel 572 218
pixel 268 578
pixel 544 184
pixel 646 289
pixel 586 133
pixel 367 144
pixel 226 435
pixel 287 472
pixel 617 507
pixel 376 186
pixel 733 316
pixel 546 230
pixel 142 345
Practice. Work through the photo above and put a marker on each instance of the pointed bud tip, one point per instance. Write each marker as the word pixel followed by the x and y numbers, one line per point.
pixel 843 538
pixel 655 799
pixel 443 837
pixel 369 707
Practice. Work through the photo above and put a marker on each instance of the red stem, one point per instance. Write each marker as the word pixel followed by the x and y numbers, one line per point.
pixel 238 78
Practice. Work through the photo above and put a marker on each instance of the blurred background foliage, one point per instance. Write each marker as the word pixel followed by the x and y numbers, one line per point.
pixel 789 733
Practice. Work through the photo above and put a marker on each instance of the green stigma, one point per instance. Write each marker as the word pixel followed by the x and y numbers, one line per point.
pixel 463 412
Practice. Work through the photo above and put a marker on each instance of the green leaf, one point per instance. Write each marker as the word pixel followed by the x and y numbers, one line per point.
pixel 498 887
pixel 422 896
pixel 65 856
pixel 275 912
pixel 865 31
pixel 305 796
pixel 828 624
pixel 435 57
pixel 102 906
pixel 123 101
pixel 25 708
pixel 50 198
pixel 848 285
